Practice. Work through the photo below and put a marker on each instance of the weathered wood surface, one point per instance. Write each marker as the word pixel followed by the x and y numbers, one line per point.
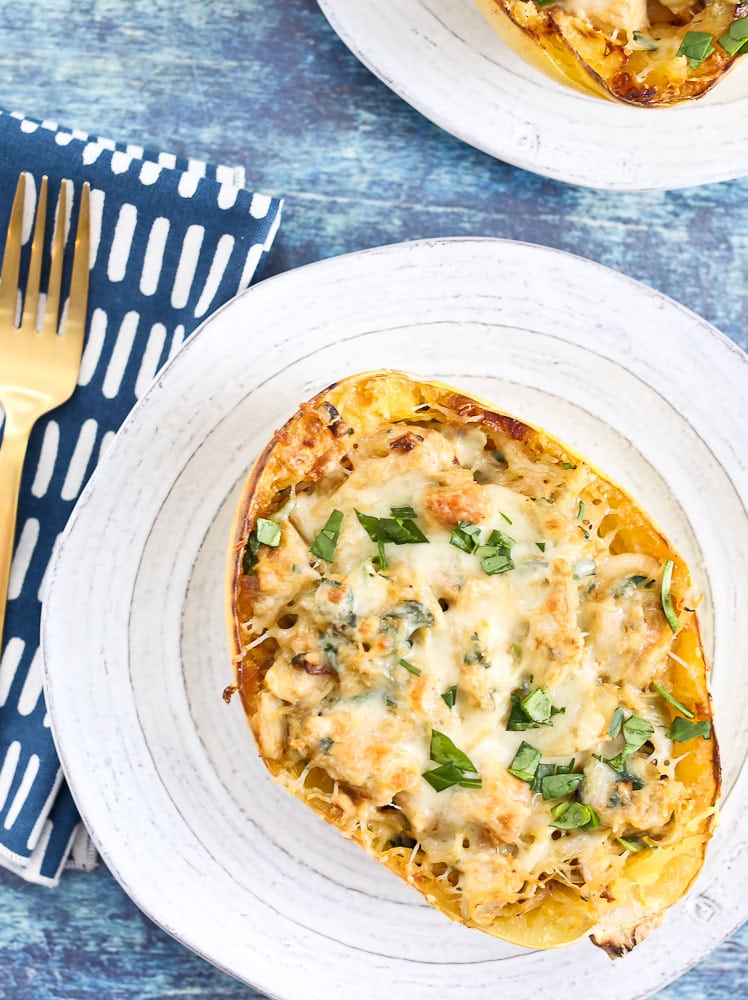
pixel 270 86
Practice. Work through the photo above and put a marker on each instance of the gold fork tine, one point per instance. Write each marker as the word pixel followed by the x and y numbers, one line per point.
pixel 52 311
pixel 12 255
pixel 31 298
pixel 38 372
pixel 78 300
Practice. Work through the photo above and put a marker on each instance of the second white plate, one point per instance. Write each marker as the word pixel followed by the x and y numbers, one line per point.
pixel 166 775
pixel 444 58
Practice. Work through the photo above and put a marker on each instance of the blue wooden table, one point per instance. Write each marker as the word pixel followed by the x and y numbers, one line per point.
pixel 269 86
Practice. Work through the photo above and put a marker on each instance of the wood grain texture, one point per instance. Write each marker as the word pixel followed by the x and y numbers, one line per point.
pixel 270 86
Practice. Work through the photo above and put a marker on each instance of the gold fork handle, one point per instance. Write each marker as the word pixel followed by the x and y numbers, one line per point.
pixel 19 419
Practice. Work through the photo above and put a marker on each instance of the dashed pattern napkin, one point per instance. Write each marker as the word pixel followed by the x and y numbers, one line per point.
pixel 172 240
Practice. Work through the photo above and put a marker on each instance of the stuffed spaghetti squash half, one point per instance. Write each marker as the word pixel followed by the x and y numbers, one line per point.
pixel 478 658
pixel 649 53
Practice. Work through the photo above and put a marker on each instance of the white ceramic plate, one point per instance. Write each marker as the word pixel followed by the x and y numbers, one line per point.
pixel 443 57
pixel 166 775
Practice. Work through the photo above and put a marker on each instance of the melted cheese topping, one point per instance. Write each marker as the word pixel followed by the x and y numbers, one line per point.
pixel 571 617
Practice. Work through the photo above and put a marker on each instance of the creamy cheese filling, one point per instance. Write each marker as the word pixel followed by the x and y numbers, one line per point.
pixel 370 660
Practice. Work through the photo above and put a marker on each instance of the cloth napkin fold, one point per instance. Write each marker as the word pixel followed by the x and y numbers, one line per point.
pixel 172 239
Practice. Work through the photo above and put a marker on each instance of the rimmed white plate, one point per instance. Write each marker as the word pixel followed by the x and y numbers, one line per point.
pixel 165 774
pixel 443 57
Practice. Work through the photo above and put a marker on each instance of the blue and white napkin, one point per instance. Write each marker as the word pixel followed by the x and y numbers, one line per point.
pixel 173 239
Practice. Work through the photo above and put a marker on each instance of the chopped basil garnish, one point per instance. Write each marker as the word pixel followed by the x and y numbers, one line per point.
pixel 580 511
pixel 455 765
pixel 465 536
pixel 325 543
pixel 636 731
pixel 735 39
pixel 630 845
pixel 541 772
pixel 400 529
pixel 507 519
pixel 574 816
pixel 673 701
pixel 556 786
pixel 249 559
pixel 532 711
pixel 615 723
pixel 696 47
pixel 406 512
pixel 665 596
pixel 683 730
pixel 525 762
pixel 410 668
pixel 541 546
pixel 448 775
pixel 568 465
pixel 443 751
pixel 268 532
pixel 450 696
pixel 494 555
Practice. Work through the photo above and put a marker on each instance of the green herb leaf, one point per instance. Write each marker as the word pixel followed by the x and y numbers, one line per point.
pixel 735 39
pixel 507 519
pixel 537 706
pixel 615 723
pixel 370 525
pixel 696 47
pixel 405 512
pixel 665 598
pixel 268 532
pixel 542 771
pixel 525 762
pixel 682 730
pixel 677 705
pixel 449 697
pixel 410 668
pixel 630 845
pixel 443 751
pixel 498 563
pixel 381 557
pixel 518 721
pixel 500 540
pixel 580 511
pixel 574 816
pixel 541 546
pixel 448 775
pixel 556 786
pixel 249 559
pixel 465 536
pixel 636 732
pixel 326 542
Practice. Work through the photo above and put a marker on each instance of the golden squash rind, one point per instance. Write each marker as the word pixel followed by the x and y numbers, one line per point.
pixel 300 452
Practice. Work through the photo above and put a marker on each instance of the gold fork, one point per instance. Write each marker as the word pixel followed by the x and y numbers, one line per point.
pixel 39 364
